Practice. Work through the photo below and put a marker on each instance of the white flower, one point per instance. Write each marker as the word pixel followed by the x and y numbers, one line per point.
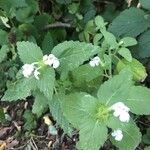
pixel 51 60
pixel 27 70
pixel 95 61
pixel 117 134
pixel 56 63
pixel 124 117
pixel 121 111
pixel 36 74
pixel 120 106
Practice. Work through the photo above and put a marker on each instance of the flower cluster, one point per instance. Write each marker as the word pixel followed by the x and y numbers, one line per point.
pixel 51 60
pixel 121 111
pixel 96 61
pixel 117 134
pixel 33 69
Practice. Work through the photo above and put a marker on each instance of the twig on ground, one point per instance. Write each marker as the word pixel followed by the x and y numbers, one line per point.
pixel 57 25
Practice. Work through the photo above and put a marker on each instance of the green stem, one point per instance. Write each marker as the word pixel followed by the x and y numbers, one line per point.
pixel 110 66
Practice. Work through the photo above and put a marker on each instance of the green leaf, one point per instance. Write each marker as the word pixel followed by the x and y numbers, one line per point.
pixel 110 39
pixel 131 136
pixel 79 107
pixel 57 113
pixel 46 82
pixel 34 6
pixel 63 1
pixel 19 3
pixel 18 90
pixel 12 3
pixel 92 135
pixel 40 104
pixel 22 15
pixel 48 43
pixel 139 100
pixel 145 3
pixel 97 38
pixel 72 54
pixel 115 89
pixel 3 52
pixel 29 52
pixel 30 122
pixel 41 21
pixel 130 22
pixel 99 21
pixel 3 37
pixel 125 52
pixel 143 46
pixel 137 69
pixel 128 41
pixel 87 73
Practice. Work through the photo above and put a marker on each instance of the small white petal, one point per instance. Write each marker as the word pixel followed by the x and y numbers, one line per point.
pixel 124 117
pixel 56 63
pixel 119 137
pixel 45 57
pixel 116 113
pixel 36 74
pixel 92 63
pixel 95 61
pixel 117 134
pixel 121 111
pixel 27 70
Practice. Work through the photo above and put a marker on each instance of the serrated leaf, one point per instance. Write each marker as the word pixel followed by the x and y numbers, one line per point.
pixel 87 73
pixel 131 135
pixel 18 90
pixel 40 104
pixel 128 41
pixel 145 3
pixel 125 53
pixel 73 53
pixel 143 46
pixel 78 108
pixel 57 113
pixel 48 43
pixel 92 135
pixel 130 22
pixel 139 100
pixel 3 52
pixel 29 52
pixel 110 39
pixel 115 89
pixel 46 82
